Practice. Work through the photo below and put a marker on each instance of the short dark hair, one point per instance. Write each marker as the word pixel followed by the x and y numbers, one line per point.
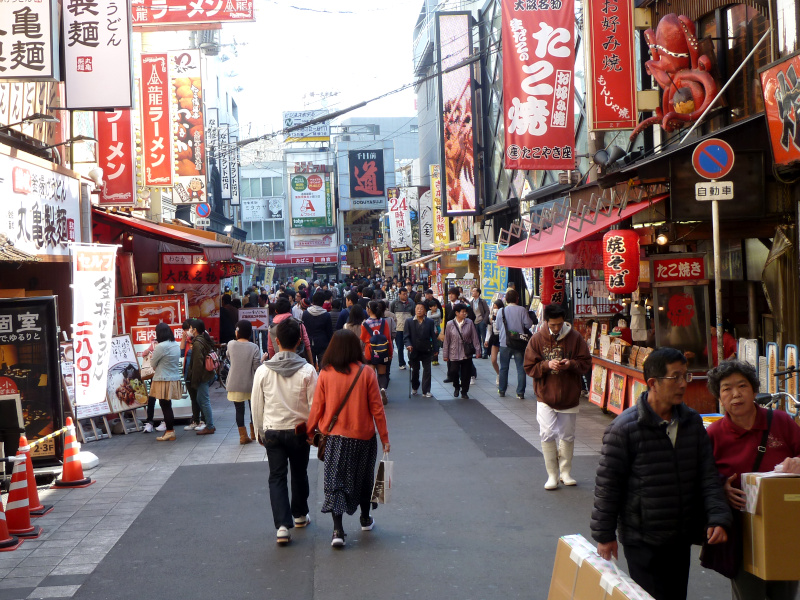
pixel 244 329
pixel 402 291
pixel 343 351
pixel 226 299
pixel 731 367
pixel 288 332
pixel 552 311
pixel 656 364
pixel 357 315
pixel 318 299
pixel 336 304
pixel 199 325
pixel 187 324
pixel 164 333
pixel 459 307
pixel 512 296
pixel 237 302
pixel 475 287
pixel 499 303
pixel 282 305
pixel 452 291
pixel 353 297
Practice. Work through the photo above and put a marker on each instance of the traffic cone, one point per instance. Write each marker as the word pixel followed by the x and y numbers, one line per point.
pixel 35 508
pixel 8 542
pixel 19 519
pixel 72 471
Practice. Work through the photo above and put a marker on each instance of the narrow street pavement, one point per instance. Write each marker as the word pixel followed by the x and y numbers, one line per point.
pixel 468 517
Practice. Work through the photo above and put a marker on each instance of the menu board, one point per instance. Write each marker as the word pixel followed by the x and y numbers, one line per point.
pixel 140 311
pixel 125 389
pixel 597 392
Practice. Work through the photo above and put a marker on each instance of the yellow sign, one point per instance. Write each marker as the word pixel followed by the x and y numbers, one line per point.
pixel 441 224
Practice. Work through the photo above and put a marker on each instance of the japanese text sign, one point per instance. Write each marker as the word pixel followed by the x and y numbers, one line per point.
pixel 190 12
pixel 186 91
pixel 713 190
pixel 441 224
pixel 366 173
pixel 312 204
pixel 678 269
pixel 318 132
pixel 399 220
pixel 224 154
pixel 611 58
pixel 621 261
pixel 781 89
pixel 141 311
pixel 233 150
pixel 97 54
pixel 426 220
pixel 156 121
pixel 115 157
pixel 29 40
pixel 191 268
pixel 494 279
pixel 93 271
pixel 40 210
pixel 538 91
pixel 191 273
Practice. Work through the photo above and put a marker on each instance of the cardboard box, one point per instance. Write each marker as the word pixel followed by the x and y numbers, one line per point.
pixel 570 553
pixel 772 525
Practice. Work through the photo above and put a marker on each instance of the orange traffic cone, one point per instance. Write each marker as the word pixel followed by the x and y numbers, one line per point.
pixel 35 508
pixel 72 471
pixel 8 542
pixel 19 519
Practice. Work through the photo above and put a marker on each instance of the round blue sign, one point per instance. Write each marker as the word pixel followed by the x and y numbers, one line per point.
pixel 713 158
pixel 343 248
pixel 202 210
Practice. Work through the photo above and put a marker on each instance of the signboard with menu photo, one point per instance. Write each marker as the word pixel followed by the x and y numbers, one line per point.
pixel 125 389
pixel 191 274
pixel 141 311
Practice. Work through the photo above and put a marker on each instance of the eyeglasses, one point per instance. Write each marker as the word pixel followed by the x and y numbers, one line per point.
pixel 687 377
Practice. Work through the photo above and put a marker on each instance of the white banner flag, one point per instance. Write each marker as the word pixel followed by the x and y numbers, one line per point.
pixel 399 220
pixel 93 269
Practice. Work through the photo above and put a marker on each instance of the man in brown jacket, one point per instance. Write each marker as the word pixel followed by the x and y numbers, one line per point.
pixel 557 357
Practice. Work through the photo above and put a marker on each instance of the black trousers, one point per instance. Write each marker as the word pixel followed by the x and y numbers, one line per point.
pixel 459 372
pixel 287 451
pixel 414 360
pixel 663 571
pixel 239 408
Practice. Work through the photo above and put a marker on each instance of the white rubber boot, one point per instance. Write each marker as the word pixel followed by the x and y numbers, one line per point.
pixel 550 452
pixel 565 450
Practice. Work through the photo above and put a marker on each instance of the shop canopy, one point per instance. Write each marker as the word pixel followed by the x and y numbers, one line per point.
pixel 421 261
pixel 551 247
pixel 214 251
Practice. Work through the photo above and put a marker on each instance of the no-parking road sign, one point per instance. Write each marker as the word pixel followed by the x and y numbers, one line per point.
pixel 713 159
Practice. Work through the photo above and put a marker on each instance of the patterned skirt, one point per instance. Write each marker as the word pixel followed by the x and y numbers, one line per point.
pixel 349 473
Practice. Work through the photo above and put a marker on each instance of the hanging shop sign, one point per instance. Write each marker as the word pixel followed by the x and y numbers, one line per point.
pixel 231 268
pixel 366 173
pixel 186 90
pixel 611 58
pixel 29 40
pixel 538 91
pixel 441 224
pixel 191 274
pixel 156 121
pixel 554 285
pixel 779 86
pixel 678 268
pixel 98 67
pixel 425 221
pixel 149 311
pixel 41 207
pixel 233 150
pixel 494 279
pixel 115 157
pixel 312 204
pixel 621 261
pixel 212 134
pixel 93 285
pixel 29 363
pixel 318 132
pixel 376 258
pixel 179 12
pixel 456 99
pixel 399 221
pixel 125 389
pixel 225 161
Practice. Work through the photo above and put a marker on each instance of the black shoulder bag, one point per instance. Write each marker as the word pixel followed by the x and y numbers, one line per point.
pixel 469 347
pixel 320 439
pixel 514 339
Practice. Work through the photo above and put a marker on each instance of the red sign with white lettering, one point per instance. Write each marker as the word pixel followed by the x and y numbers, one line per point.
pixel 115 157
pixel 679 269
pixel 156 122
pixel 190 12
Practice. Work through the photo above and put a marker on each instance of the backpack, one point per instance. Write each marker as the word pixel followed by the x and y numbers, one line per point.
pixel 212 362
pixel 273 334
pixel 379 345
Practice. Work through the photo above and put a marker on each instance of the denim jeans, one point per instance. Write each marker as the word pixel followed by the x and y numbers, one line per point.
pixel 505 361
pixel 204 401
pixel 481 327
pixel 286 451
pixel 398 340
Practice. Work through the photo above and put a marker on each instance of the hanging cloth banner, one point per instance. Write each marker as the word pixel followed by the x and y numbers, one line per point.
pixel 538 90
pixel 93 270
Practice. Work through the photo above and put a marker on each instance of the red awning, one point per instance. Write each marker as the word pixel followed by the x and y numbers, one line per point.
pixel 550 250
pixel 213 250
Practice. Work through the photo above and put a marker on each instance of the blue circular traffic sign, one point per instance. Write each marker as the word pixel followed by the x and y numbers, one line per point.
pixel 713 159
pixel 202 210
pixel 343 248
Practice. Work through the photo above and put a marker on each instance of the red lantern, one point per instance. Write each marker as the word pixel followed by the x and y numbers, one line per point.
pixel 621 261
pixel 554 280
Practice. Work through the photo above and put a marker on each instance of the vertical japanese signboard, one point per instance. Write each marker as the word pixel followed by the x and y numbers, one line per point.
pixel 366 173
pixel 156 122
pixel 97 54
pixel 494 279
pixel 188 127
pixel 224 162
pixel 779 86
pixel 441 224
pixel 454 44
pixel 538 92
pixel 29 41
pixel 312 204
pixel 93 270
pixel 212 134
pixel 29 355
pixel 399 221
pixel 610 60
pixel 233 152
pixel 115 157
pixel 426 221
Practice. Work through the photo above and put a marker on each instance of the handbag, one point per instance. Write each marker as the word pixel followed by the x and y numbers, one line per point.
pixel 146 371
pixel 469 347
pixel 320 440
pixel 383 481
pixel 514 339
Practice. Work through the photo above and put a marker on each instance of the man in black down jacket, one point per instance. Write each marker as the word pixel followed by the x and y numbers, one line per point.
pixel 657 480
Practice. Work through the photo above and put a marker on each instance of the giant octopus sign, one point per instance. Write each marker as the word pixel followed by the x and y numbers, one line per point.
pixel 681 71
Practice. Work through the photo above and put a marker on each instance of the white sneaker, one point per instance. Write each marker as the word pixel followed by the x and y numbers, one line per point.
pixel 402 367
pixel 190 427
pixel 472 380
pixel 148 428
pixel 497 380
pixel 428 395
pixel 302 521
pixel 284 537
pixel 200 427
pixel 415 392
pixel 384 397
pixel 162 427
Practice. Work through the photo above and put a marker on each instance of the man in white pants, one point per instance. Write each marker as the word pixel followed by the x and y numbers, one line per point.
pixel 556 358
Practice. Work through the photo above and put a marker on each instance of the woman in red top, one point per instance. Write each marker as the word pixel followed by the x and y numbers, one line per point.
pixel 736 438
pixel 375 323
pixel 352 446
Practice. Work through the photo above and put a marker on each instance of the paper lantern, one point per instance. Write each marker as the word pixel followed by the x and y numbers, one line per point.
pixel 554 281
pixel 621 261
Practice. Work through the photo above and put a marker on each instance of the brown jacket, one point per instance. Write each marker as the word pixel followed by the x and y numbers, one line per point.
pixel 559 390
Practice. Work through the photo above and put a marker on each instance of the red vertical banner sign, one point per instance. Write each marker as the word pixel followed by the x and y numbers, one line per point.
pixel 610 60
pixel 115 157
pixel 156 122
pixel 188 127
pixel 538 90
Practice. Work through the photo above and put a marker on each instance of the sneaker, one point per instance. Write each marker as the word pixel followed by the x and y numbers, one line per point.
pixel 520 396
pixel 435 363
pixel 501 394
pixel 415 392
pixel 148 428
pixel 465 396
pixel 473 380
pixel 428 395
pixel 302 521
pixel 367 523
pixel 284 537
pixel 162 427
pixel 190 427
pixel 337 541
pixel 402 367
pixel 384 397
pixel 200 426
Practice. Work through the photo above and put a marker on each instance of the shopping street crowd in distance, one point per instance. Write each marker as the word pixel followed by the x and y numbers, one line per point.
pixel 664 482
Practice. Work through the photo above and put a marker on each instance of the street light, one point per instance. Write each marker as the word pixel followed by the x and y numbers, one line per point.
pixel 34 119
pixel 227 228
